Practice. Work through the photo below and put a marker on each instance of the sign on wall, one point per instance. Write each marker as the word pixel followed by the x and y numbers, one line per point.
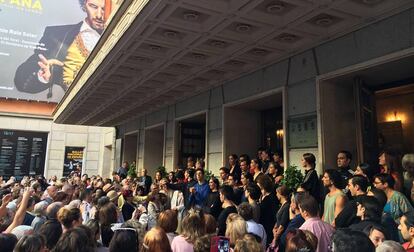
pixel 22 153
pixel 303 132
pixel 73 160
pixel 44 44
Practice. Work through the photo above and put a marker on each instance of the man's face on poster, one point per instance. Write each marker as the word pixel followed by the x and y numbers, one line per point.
pixel 95 10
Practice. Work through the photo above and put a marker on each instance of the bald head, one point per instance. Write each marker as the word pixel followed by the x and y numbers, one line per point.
pixel 51 191
pixel 52 209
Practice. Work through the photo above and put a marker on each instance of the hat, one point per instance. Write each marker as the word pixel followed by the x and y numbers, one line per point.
pixel 127 193
pixel 112 195
pixel 107 187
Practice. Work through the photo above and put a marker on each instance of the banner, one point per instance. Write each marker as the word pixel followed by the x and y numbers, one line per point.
pixel 73 160
pixel 22 153
pixel 44 44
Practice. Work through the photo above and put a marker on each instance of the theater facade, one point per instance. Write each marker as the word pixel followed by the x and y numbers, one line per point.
pixel 210 78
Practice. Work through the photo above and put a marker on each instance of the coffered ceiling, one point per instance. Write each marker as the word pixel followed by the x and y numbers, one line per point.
pixel 175 49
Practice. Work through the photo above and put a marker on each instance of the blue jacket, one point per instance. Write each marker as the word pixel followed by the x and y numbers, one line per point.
pixel 200 195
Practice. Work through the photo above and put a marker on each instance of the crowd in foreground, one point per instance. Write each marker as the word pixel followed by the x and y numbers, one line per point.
pixel 248 207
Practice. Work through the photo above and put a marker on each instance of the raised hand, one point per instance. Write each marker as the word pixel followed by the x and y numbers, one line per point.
pixel 45 65
pixel 6 199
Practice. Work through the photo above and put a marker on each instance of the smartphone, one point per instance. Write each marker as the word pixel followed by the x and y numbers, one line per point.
pixel 219 244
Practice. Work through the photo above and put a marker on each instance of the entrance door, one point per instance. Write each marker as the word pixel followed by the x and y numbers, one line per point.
pixel 272 129
pixel 193 141
pixel 366 123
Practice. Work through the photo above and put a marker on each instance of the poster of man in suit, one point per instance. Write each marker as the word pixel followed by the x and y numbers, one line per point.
pixel 68 31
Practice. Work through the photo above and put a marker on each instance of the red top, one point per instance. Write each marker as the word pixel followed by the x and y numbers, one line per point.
pixel 406 247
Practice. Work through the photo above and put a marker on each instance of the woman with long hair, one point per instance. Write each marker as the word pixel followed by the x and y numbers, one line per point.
pixel 236 228
pixel 390 164
pixel 108 215
pixel 282 215
pixel 193 226
pixel 310 182
pixel 268 206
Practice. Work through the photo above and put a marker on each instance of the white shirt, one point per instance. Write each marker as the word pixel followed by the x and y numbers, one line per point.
pixel 257 229
pixel 89 36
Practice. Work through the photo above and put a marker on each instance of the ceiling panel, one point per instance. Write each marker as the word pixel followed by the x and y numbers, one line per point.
pixel 184 47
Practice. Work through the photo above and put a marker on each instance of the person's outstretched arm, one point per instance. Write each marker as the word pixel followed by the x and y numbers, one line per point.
pixel 21 212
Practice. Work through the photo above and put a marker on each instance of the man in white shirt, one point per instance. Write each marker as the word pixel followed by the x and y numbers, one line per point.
pixel 245 210
pixel 86 206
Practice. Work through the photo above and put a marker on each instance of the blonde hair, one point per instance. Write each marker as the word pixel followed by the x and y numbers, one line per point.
pixel 193 225
pixel 67 216
pixel 236 227
pixel 156 240
pixel 248 244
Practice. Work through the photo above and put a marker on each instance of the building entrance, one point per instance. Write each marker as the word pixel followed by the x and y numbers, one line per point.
pixel 254 123
pixel 368 111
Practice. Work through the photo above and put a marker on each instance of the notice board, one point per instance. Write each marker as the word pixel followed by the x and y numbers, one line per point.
pixel 22 153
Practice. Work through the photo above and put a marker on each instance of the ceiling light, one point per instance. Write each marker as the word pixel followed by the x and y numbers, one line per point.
pixel 243 28
pixel 191 15
pixel 236 63
pixel 199 56
pixel 287 38
pixel 259 51
pixel 275 8
pixel 155 47
pixel 142 59
pixel 218 43
pixel 371 2
pixel 170 34
pixel 324 21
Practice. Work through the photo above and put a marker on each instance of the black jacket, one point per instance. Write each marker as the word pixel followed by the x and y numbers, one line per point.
pixel 268 210
pixel 56 40
pixel 312 184
pixel 347 216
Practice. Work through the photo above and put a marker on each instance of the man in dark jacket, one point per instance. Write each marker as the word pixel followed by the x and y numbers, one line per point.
pixel 145 181
pixel 343 161
pixel 357 186
pixel 50 61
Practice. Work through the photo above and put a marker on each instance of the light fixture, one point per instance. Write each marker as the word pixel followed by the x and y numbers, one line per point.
pixel 198 56
pixel 191 15
pixel 279 133
pixel 395 117
pixel 287 38
pixel 324 21
pixel 259 52
pixel 143 59
pixel 218 43
pixel 275 7
pixel 243 28
pixel 371 2
pixel 170 34
pixel 236 63
pixel 155 47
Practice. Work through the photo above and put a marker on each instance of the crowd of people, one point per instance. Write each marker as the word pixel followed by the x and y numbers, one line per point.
pixel 248 207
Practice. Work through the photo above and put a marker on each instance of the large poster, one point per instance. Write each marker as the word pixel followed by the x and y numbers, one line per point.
pixel 22 153
pixel 73 160
pixel 44 44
